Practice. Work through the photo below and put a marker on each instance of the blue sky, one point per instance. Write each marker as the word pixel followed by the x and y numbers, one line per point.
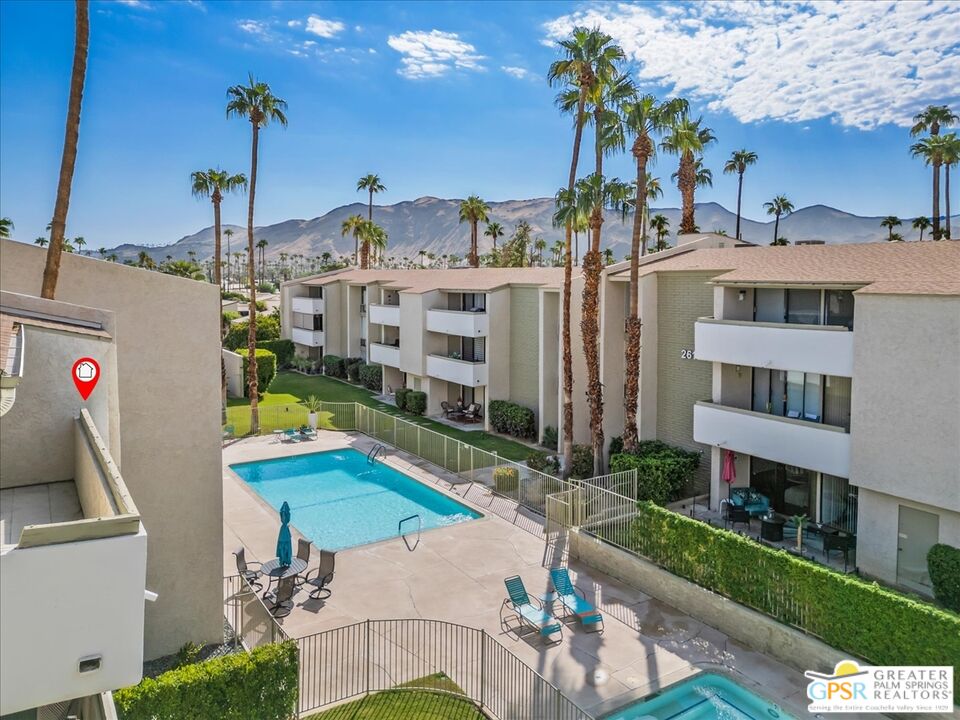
pixel 449 99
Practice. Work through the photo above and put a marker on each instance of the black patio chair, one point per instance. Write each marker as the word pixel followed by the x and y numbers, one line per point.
pixel 321 577
pixel 281 600
pixel 472 412
pixel 251 575
pixel 738 515
pixel 840 542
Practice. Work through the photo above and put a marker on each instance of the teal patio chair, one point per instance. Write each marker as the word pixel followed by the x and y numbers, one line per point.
pixel 290 435
pixel 527 612
pixel 575 604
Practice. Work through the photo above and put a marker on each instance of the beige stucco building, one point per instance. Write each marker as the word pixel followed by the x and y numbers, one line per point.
pixel 157 409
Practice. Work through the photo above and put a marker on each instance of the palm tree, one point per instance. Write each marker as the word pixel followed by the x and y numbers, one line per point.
pixel 654 192
pixel 372 236
pixel 422 254
pixel 687 140
pixel 951 156
pixel 738 163
pixel 783 241
pixel 257 104
pixel 229 233
pixel 51 270
pixel 778 206
pixel 540 245
pixel 183 268
pixel 473 210
pixel 660 224
pixel 494 230
pixel 353 225
pixel 931 120
pixel 79 242
pixel 608 256
pixel 41 241
pixel 372 184
pixel 145 261
pixel 6 225
pixel 889 222
pixel 587 56
pixel 921 223
pixel 933 150
pixel 262 247
pixel 213 184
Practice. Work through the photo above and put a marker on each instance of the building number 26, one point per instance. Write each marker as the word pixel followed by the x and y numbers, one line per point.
pixel 686 354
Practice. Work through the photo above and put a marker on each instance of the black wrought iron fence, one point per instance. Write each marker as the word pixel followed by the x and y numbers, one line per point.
pixel 246 614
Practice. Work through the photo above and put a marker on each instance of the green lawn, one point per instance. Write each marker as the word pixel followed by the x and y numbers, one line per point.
pixel 408 704
pixel 289 388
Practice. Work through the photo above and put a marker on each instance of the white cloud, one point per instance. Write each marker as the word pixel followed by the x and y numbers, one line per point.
pixel 294 23
pixel 517 72
pixel 434 53
pixel 861 64
pixel 324 28
pixel 136 3
pixel 254 27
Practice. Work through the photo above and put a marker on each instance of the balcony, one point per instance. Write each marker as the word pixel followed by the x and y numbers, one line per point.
pixel 385 315
pixel 311 338
pixel 810 445
pixel 307 305
pixel 461 372
pixel 73 564
pixel 385 354
pixel 457 322
pixel 826 349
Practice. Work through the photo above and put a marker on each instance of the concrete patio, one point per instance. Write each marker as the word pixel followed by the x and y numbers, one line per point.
pixel 456 574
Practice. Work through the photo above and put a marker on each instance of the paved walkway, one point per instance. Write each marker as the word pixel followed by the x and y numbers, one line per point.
pixel 456 574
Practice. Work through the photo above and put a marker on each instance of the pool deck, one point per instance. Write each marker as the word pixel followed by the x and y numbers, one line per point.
pixel 456 574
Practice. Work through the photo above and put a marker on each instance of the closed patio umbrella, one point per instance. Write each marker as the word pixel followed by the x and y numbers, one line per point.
pixel 284 545
pixel 729 474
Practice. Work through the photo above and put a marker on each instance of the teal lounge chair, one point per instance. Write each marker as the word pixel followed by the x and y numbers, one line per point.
pixel 575 604
pixel 290 435
pixel 528 613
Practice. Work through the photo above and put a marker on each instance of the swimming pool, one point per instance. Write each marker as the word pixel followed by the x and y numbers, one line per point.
pixel 338 500
pixel 705 696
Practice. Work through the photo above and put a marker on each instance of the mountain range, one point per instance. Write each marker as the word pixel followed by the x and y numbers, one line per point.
pixel 432 224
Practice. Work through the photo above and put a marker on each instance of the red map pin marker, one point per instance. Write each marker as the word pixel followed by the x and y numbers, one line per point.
pixel 86 374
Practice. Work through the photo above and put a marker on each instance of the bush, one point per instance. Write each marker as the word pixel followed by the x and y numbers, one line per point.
pixel 232 295
pixel 416 402
pixel 616 446
pixel 266 370
pixel 333 365
pixel 512 419
pixel 268 328
pixel 266 287
pixel 544 463
pixel 857 617
pixel 260 685
pixel 582 466
pixel 943 562
pixel 505 479
pixel 550 439
pixel 283 349
pixel 352 367
pixel 401 397
pixel 371 377
pixel 663 471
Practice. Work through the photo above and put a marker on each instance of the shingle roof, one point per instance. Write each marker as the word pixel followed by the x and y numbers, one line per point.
pixel 900 268
pixel 466 279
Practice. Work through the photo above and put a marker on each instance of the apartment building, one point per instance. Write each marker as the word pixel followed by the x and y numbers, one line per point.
pixel 105 499
pixel 460 335
pixel 828 373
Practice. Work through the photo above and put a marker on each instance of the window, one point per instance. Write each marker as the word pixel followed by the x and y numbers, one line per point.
pixel 769 390
pixel 839 308
pixel 474 302
pixel 812 397
pixel 836 402
pixel 303 321
pixel 769 305
pixel 838 503
pixel 795 395
pixel 789 489
pixel 473 349
pixel 803 307
pixel 315 291
pixel 802 396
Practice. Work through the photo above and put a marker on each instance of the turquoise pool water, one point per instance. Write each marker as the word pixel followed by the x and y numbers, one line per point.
pixel 338 500
pixel 705 696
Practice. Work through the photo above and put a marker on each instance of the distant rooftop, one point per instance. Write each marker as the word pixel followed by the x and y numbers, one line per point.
pixel 457 279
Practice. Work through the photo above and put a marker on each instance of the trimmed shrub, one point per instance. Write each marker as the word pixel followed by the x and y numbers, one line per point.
pixel 266 369
pixel 663 471
pixel 260 685
pixel 550 439
pixel 401 397
pixel 857 617
pixel 582 466
pixel 283 349
pixel 266 287
pixel 512 419
pixel 353 366
pixel 371 377
pixel 416 402
pixel 333 365
pixel 268 328
pixel 616 446
pixel 233 295
pixel 506 479
pixel 943 562
pixel 544 463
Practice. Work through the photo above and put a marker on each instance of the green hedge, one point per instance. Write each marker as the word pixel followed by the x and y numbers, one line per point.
pixel 550 439
pixel 268 328
pixel 416 402
pixel 544 463
pixel 283 349
pixel 663 471
pixel 352 367
pixel 506 479
pixel 582 466
pixel 512 419
pixel 266 369
pixel 334 366
pixel 371 377
pixel 943 562
pixel 261 685
pixel 401 397
pixel 855 616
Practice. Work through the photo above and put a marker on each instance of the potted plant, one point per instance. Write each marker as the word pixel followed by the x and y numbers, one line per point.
pixel 313 406
pixel 800 521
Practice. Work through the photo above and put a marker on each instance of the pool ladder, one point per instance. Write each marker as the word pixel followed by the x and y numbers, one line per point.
pixel 404 537
pixel 378 450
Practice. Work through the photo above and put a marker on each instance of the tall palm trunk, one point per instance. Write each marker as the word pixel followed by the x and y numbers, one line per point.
pixel 215 198
pixel 631 386
pixel 252 327
pixel 936 201
pixel 364 254
pixel 776 229
pixel 739 195
pixel 58 226
pixel 473 258
pixel 946 196
pixel 686 177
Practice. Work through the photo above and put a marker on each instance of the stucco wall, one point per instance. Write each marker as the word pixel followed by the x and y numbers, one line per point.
pixel 168 358
pixel 905 407
pixel 498 347
pixel 550 357
pixel 234 365
pixel 524 348
pixel 613 339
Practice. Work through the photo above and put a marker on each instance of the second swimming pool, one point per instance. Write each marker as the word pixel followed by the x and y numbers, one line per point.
pixel 338 500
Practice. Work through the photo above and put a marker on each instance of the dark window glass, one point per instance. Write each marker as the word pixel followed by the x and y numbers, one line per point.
pixel 769 305
pixel 839 306
pixel 803 307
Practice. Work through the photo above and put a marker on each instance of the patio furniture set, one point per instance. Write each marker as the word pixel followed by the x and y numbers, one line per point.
pixel 470 413
pixel 288 578
pixel 536 612
pixel 294 435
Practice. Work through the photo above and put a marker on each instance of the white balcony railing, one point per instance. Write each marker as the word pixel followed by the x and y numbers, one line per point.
pixel 385 354
pixel 312 338
pixel 385 315
pixel 307 305
pixel 457 322
pixel 461 372
pixel 826 349
pixel 814 446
